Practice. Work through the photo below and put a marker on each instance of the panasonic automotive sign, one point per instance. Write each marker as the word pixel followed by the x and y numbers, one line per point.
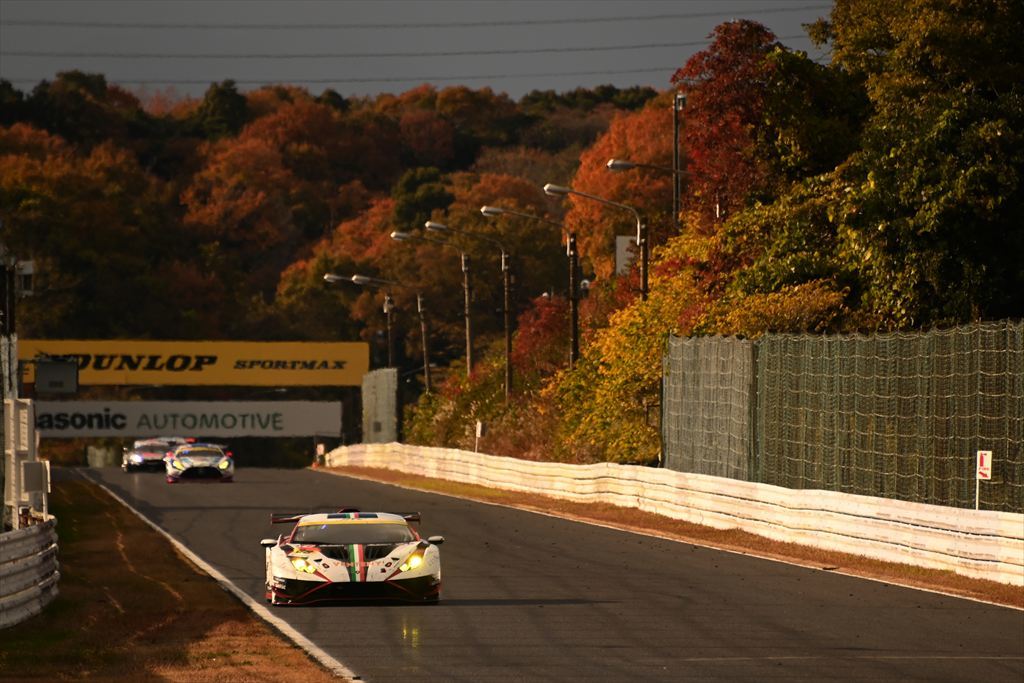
pixel 134 419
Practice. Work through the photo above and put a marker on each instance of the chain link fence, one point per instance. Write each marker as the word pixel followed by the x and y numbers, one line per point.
pixel 707 421
pixel 897 416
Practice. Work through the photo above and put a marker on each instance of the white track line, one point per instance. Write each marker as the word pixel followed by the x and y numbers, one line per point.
pixel 261 610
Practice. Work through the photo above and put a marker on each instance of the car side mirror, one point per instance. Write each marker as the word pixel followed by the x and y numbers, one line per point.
pixel 268 542
pixel 435 540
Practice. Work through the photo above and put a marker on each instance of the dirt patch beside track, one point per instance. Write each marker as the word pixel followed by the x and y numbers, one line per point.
pixel 132 609
pixel 731 540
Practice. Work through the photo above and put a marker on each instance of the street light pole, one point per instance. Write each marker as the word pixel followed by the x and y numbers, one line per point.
pixel 363 281
pixel 678 104
pixel 467 292
pixel 466 288
pixel 641 229
pixel 574 300
pixel 421 310
pixel 389 305
pixel 506 277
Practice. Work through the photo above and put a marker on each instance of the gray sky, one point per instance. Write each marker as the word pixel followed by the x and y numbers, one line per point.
pixel 365 48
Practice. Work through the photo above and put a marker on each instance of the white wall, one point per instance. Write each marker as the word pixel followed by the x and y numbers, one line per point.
pixel 978 544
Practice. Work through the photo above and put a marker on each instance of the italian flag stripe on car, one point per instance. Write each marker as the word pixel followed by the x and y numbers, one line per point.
pixel 356 566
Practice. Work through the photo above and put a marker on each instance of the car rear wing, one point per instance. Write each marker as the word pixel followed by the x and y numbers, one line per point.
pixel 292 517
pixel 286 517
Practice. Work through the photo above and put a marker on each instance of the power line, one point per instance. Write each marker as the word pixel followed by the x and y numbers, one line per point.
pixel 355 55
pixel 395 25
pixel 382 79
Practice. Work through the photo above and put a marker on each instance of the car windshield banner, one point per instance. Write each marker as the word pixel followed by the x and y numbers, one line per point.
pixel 137 419
pixel 210 363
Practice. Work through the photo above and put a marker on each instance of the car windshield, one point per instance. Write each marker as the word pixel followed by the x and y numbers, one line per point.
pixel 200 453
pixel 353 534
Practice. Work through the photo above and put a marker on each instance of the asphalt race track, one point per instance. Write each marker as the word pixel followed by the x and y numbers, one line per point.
pixel 534 598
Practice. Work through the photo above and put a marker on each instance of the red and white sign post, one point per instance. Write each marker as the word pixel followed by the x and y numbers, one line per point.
pixel 984 472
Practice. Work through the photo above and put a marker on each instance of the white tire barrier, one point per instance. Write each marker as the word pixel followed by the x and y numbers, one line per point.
pixel 28 571
pixel 977 544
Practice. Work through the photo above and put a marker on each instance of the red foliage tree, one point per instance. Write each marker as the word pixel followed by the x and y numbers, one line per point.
pixel 726 87
pixel 541 345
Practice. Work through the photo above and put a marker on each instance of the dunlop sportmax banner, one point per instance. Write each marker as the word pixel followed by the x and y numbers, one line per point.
pixel 211 363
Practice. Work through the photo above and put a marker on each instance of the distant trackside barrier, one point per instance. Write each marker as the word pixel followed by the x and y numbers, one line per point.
pixel 978 544
pixel 28 571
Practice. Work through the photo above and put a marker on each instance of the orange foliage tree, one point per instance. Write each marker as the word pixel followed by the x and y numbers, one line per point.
pixel 108 255
pixel 643 136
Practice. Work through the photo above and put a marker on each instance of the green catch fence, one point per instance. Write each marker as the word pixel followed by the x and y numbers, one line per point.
pixel 895 415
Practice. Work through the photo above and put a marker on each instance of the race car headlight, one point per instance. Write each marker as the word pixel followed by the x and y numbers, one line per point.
pixel 301 564
pixel 411 562
pixel 178 465
pixel 224 464
pixel 136 458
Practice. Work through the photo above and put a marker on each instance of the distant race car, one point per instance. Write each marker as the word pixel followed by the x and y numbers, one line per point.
pixel 145 454
pixel 351 555
pixel 199 461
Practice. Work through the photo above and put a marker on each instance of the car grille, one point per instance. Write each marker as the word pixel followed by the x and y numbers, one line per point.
pixel 201 473
pixel 370 552
pixel 335 552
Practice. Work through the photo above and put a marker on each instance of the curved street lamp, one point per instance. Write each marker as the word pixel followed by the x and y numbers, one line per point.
pixel 367 281
pixel 574 268
pixel 641 229
pixel 467 289
pixel 626 165
pixel 506 277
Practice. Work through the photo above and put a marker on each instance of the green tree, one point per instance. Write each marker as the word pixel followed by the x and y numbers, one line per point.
pixel 418 193
pixel 932 219
pixel 222 112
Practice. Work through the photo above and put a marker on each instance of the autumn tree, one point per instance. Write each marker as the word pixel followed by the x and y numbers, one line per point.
pixel 644 137
pixel 726 86
pixel 222 112
pixel 107 251
pixel 931 217
pixel 417 194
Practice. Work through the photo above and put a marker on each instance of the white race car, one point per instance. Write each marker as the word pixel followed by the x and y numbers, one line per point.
pixel 199 462
pixel 351 555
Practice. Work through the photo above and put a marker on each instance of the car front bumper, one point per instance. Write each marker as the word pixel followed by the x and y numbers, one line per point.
pixel 298 592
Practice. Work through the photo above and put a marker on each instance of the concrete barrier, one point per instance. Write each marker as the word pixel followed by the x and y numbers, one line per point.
pixel 977 544
pixel 28 571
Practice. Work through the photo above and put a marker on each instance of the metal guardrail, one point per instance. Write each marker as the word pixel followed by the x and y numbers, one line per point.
pixel 29 571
